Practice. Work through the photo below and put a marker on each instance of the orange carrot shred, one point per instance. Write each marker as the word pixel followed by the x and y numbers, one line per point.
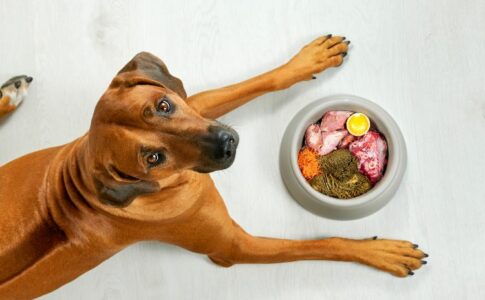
pixel 308 163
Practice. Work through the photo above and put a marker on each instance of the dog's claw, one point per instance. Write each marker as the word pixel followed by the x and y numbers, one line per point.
pixel 347 42
pixel 329 36
pixel 411 273
pixel 426 255
pixel 313 77
pixel 374 237
pixel 415 246
pixel 423 262
pixel 344 54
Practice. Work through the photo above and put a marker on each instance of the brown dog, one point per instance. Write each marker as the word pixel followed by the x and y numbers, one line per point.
pixel 140 174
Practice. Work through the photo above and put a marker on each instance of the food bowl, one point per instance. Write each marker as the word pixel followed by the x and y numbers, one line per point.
pixel 329 207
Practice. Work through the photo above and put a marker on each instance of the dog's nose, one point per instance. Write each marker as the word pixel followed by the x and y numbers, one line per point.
pixel 227 141
pixel 29 79
pixel 218 148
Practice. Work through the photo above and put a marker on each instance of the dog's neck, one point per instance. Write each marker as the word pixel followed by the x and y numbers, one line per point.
pixel 76 208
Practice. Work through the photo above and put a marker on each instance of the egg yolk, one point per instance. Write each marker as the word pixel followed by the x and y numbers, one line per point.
pixel 358 124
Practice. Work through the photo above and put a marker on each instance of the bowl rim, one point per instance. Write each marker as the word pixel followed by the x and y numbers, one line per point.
pixel 385 123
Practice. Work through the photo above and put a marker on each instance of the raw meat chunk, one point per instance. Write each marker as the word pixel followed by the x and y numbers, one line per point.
pixel 313 137
pixel 345 142
pixel 334 120
pixel 330 140
pixel 371 151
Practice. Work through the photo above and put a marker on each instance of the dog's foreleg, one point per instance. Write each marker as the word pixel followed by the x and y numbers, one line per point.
pixel 5 107
pixel 6 110
pixel 321 54
pixel 61 265
pixel 393 256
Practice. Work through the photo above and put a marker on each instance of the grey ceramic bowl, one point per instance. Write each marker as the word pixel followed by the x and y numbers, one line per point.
pixel 330 207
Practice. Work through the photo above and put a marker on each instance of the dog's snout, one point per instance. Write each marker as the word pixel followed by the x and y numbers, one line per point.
pixel 218 148
pixel 29 79
pixel 227 141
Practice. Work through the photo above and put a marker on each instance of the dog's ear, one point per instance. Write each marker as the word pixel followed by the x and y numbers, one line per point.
pixel 147 66
pixel 121 194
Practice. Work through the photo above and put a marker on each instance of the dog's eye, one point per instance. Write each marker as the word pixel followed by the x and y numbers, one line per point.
pixel 164 105
pixel 155 158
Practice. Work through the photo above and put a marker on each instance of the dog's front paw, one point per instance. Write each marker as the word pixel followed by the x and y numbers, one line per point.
pixel 399 258
pixel 324 52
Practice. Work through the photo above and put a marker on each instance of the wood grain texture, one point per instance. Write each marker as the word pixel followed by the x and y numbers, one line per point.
pixel 423 61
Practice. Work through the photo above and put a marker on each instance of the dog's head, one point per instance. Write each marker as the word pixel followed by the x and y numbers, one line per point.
pixel 143 131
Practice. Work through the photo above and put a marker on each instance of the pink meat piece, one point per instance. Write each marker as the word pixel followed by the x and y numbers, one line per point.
pixel 331 140
pixel 371 151
pixel 334 120
pixel 345 142
pixel 313 137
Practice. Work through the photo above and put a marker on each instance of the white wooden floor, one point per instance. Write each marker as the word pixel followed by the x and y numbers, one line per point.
pixel 423 61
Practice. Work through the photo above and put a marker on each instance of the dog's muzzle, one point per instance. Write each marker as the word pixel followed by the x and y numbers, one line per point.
pixel 218 148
